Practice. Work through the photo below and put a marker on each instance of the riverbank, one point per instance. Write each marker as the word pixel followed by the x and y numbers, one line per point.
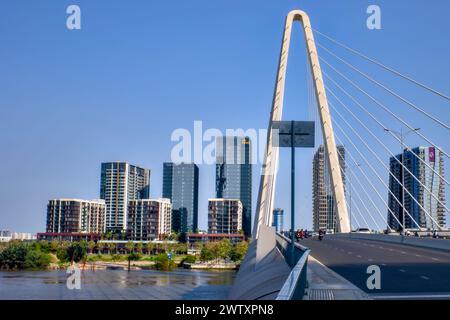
pixel 42 255
pixel 212 265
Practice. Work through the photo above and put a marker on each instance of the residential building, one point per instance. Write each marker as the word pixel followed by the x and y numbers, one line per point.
pixel 420 186
pixel 5 236
pixel 324 208
pixel 234 174
pixel 149 219
pixel 121 182
pixel 224 216
pixel 180 185
pixel 22 236
pixel 75 216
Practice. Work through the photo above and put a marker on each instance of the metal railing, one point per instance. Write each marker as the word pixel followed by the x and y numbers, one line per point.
pixel 295 285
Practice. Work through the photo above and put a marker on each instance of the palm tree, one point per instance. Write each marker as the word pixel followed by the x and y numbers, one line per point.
pixel 139 246
pixel 111 247
pixel 129 246
pixel 91 246
pixel 150 247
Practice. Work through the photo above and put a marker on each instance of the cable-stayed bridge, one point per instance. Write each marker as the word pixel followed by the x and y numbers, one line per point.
pixel 390 182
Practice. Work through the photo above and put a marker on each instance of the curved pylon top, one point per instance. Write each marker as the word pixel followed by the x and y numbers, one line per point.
pixel 266 193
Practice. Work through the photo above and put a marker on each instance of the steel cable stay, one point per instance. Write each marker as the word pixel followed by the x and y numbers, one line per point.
pixel 382 163
pixel 384 127
pixel 383 145
pixel 385 108
pixel 365 207
pixel 367 195
pixel 361 215
pixel 373 170
pixel 390 91
pixel 371 184
pixel 385 67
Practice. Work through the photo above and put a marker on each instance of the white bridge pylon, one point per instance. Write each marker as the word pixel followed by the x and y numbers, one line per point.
pixel 264 209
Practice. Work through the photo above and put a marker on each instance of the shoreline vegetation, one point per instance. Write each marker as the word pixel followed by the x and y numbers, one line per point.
pixel 45 255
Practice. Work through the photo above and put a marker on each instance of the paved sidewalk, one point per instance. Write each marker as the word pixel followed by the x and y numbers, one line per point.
pixel 325 284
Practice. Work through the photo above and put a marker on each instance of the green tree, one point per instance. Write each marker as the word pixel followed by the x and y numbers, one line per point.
pixel 182 248
pixel 139 247
pixel 133 256
pixel 239 251
pixel 150 247
pixel 173 236
pixel 13 256
pixel 207 253
pixel 91 246
pixel 19 255
pixel 189 259
pixel 37 260
pixel 77 251
pixel 129 246
pixel 111 247
pixel 54 246
pixel 224 248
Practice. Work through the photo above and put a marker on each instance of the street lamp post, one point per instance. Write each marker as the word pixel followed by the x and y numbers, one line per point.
pixel 402 136
pixel 293 134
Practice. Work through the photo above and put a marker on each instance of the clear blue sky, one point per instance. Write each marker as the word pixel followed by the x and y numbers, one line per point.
pixel 137 70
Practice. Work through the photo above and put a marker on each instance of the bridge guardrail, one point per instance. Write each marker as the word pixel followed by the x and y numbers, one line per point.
pixel 295 285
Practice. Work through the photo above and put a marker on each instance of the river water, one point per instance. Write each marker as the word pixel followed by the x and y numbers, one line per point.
pixel 179 284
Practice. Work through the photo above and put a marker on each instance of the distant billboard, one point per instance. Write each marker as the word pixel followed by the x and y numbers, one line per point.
pixel 431 154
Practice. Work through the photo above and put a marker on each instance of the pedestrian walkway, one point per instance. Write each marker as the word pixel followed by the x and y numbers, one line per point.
pixel 325 284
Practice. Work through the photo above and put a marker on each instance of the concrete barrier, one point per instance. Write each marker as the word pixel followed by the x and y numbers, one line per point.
pixel 440 244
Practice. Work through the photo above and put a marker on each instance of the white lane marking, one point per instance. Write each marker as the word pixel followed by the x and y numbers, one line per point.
pixel 418 255
pixel 435 259
pixel 369 259
pixel 349 252
pixel 401 270
pixel 391 250
pixel 384 264
pixel 424 278
pixel 403 252
pixel 359 256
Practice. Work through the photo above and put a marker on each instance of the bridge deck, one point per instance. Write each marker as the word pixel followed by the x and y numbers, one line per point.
pixel 405 270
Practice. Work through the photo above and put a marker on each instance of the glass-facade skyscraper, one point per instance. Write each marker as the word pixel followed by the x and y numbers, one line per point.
pixel 435 185
pixel 180 185
pixel 234 174
pixel 121 182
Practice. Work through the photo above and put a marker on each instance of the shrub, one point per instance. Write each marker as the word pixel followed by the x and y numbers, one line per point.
pixel 37 260
pixel 13 256
pixel 163 263
pixel 23 256
pixel 189 259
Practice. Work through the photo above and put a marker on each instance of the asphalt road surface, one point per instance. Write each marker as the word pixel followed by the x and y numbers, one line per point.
pixel 405 270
